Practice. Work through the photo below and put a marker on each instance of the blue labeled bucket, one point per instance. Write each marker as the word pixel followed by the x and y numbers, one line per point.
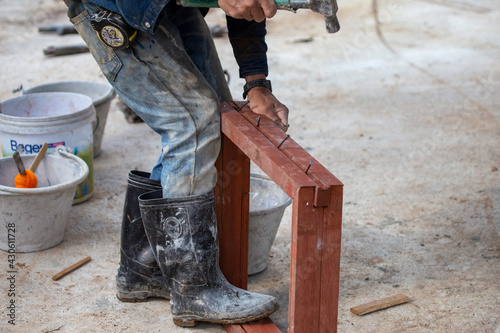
pixel 58 118
pixel 100 93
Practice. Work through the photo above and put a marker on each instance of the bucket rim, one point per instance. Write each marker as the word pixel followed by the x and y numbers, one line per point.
pixel 109 94
pixel 285 203
pixel 88 109
pixel 61 152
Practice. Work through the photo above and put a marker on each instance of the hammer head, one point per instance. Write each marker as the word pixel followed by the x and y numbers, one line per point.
pixel 327 8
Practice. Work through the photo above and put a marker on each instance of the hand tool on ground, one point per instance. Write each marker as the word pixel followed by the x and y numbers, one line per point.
pixel 65 50
pixel 25 178
pixel 58 29
pixel 327 8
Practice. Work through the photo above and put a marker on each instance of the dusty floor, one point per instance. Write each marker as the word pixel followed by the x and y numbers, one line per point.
pixel 402 106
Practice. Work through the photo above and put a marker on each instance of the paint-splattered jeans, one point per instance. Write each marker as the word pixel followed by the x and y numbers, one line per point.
pixel 174 81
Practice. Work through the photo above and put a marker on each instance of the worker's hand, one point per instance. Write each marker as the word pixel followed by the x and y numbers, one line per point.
pixel 249 10
pixel 262 101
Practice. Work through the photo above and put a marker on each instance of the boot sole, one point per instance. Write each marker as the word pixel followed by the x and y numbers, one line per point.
pixel 136 297
pixel 192 321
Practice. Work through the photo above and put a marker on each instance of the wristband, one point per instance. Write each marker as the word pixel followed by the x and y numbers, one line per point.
pixel 256 83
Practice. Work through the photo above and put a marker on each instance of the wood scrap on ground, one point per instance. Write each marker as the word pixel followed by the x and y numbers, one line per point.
pixel 379 304
pixel 71 268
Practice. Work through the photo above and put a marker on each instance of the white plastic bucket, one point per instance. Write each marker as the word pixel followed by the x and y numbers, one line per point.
pixel 267 205
pixel 100 93
pixel 58 118
pixel 34 219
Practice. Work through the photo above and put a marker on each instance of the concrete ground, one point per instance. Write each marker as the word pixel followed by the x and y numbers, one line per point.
pixel 402 106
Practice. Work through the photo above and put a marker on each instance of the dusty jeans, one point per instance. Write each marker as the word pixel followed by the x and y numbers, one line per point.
pixel 174 81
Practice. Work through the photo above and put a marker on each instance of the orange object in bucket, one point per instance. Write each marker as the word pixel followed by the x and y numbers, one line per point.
pixel 26 178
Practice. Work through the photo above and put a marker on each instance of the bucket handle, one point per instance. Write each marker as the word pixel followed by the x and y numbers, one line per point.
pixel 66 152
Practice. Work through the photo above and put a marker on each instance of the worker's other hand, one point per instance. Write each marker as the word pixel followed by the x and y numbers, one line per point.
pixel 262 101
pixel 249 10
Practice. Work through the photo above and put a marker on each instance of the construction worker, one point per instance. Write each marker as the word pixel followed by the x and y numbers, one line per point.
pixel 161 60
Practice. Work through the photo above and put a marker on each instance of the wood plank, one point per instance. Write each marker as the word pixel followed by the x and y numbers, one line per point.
pixel 288 149
pixel 266 156
pixel 291 148
pixel 236 328
pixel 245 218
pixel 233 188
pixel 380 304
pixel 265 325
pixel 304 272
pixel 315 263
pixel 330 261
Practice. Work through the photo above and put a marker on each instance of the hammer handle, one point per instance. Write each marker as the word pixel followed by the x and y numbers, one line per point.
pixel 327 8
pixel 281 4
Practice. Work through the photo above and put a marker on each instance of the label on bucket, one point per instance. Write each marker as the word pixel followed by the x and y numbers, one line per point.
pixel 79 142
pixel 29 148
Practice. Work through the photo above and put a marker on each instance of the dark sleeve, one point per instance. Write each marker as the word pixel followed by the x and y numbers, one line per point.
pixel 249 45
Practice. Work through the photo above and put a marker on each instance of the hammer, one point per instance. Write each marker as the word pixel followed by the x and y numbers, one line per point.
pixel 327 8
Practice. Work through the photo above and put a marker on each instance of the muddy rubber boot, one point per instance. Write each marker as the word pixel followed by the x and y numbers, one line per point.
pixel 183 236
pixel 139 276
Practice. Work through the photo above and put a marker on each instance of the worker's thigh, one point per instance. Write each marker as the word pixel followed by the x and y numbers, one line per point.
pixel 156 77
pixel 199 45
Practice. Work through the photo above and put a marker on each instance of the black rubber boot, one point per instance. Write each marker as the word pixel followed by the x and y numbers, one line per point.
pixel 139 276
pixel 183 236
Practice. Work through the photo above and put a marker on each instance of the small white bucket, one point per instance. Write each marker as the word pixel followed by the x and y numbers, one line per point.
pixel 100 93
pixel 34 219
pixel 267 205
pixel 58 118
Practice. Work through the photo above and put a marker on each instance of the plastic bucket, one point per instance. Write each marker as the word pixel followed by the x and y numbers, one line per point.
pixel 100 93
pixel 267 205
pixel 34 219
pixel 60 119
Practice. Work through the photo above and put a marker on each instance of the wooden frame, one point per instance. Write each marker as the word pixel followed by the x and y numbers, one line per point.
pixel 316 217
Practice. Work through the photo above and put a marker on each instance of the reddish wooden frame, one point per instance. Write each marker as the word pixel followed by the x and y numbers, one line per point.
pixel 316 217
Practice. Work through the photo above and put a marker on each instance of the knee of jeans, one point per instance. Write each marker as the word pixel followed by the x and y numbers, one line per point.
pixel 210 114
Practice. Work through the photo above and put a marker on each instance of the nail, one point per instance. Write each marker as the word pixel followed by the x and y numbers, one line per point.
pixel 258 121
pixel 310 164
pixel 242 106
pixel 283 141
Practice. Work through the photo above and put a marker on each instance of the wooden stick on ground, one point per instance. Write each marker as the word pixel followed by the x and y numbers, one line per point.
pixel 70 268
pixel 379 304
